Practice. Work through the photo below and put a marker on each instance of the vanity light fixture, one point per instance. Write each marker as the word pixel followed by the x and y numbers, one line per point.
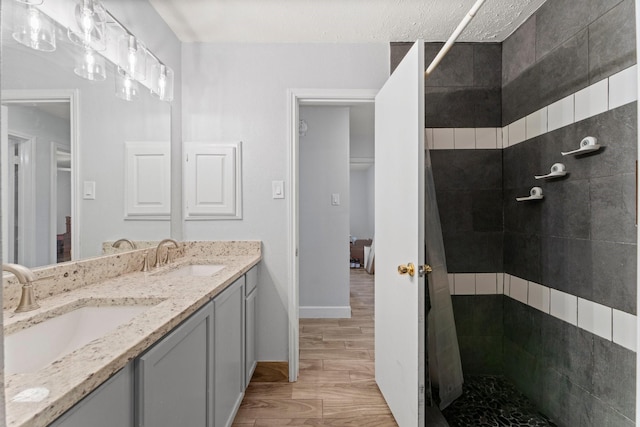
pixel 126 86
pixel 132 56
pixel 31 2
pixel 91 66
pixel 88 28
pixel 33 28
pixel 162 81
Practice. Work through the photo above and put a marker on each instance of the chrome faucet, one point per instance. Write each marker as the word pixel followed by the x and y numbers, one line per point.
pixel 117 243
pixel 25 277
pixel 162 242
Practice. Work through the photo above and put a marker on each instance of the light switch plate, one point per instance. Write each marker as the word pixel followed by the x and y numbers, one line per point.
pixel 335 199
pixel 89 190
pixel 277 188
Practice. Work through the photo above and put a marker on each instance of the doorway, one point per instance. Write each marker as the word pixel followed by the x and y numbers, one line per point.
pixel 296 99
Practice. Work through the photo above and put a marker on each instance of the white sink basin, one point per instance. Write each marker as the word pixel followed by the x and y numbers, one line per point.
pixel 194 270
pixel 33 348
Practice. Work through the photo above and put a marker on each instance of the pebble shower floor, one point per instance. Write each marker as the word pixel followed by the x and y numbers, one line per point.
pixel 493 401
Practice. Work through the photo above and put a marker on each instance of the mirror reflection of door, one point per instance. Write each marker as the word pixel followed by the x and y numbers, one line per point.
pixel 37 185
pixel 61 202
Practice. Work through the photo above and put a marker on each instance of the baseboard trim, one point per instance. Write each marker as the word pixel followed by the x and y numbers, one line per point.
pixel 314 312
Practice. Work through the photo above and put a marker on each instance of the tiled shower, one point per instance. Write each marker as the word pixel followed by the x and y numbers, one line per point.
pixel 544 292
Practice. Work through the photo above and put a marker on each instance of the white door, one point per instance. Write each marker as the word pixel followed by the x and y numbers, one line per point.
pixel 399 225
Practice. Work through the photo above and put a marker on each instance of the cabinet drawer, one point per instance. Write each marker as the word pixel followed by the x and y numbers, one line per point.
pixel 251 280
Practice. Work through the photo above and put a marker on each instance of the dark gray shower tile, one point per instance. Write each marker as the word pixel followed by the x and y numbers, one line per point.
pixel 487 111
pixel 613 208
pixel 556 22
pixel 614 272
pixel 616 131
pixel 463 308
pixel 565 70
pixel 398 50
pixel 451 107
pixel 522 217
pixel 481 355
pixel 467 169
pixel 523 326
pixel 486 210
pixel 522 256
pixel 521 163
pixel 473 252
pixel 488 315
pixel 521 96
pixel 597 8
pixel 567 403
pixel 456 68
pixel 487 65
pixel 614 376
pixel 460 107
pixel 604 415
pixel 519 51
pixel 567 266
pixel 612 42
pixel 566 211
pixel 523 370
pixel 568 350
pixel 456 210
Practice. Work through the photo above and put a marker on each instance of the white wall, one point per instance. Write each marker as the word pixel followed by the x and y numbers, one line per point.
pixel 239 92
pixel 324 227
pixel 361 212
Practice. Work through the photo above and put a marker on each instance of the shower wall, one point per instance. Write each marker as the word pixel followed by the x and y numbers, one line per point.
pixel 570 260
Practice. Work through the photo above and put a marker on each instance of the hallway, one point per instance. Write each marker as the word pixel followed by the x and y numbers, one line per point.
pixel 336 385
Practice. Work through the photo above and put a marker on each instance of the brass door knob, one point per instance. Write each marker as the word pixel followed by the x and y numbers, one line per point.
pixel 407 269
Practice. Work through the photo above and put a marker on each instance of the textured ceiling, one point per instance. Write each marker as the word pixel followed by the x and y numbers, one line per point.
pixel 344 21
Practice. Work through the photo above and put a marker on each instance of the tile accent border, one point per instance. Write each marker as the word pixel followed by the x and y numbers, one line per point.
pixel 606 322
pixel 607 94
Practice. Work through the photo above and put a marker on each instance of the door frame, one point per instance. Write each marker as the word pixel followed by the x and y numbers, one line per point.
pixel 296 98
pixel 72 96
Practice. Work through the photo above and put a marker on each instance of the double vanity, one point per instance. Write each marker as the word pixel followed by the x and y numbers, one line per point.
pixel 171 346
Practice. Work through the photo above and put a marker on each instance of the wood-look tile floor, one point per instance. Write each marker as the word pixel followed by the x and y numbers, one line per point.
pixel 336 385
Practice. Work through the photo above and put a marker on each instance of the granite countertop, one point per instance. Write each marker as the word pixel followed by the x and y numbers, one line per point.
pixel 171 300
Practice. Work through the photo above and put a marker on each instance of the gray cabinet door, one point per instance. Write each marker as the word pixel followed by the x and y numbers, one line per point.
pixel 109 405
pixel 250 336
pixel 229 349
pixel 175 376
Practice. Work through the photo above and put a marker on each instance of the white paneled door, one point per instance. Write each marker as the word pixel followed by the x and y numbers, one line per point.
pixel 399 225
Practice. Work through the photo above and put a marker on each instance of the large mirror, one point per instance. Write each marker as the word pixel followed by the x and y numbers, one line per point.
pixel 69 169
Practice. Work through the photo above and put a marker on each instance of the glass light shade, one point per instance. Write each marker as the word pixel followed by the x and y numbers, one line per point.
pixel 132 57
pixel 126 87
pixel 91 66
pixel 88 28
pixel 34 29
pixel 162 82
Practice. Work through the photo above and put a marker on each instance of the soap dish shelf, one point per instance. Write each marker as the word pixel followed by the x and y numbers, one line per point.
pixel 534 194
pixel 557 170
pixel 585 149
pixel 551 175
pixel 529 198
pixel 587 145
